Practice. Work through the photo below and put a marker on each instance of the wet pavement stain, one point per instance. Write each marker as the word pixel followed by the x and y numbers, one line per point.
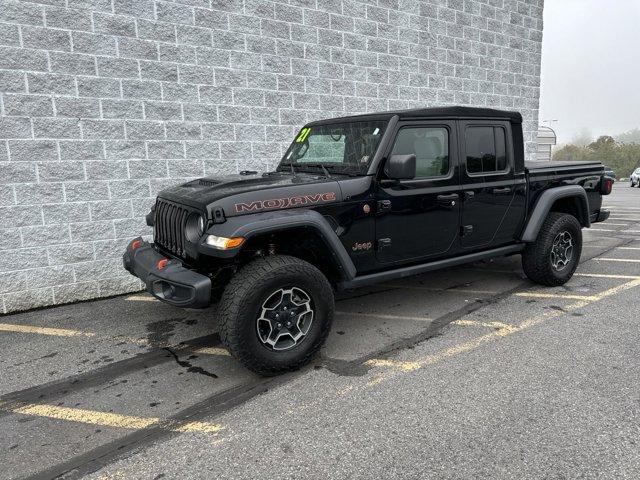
pixel 190 367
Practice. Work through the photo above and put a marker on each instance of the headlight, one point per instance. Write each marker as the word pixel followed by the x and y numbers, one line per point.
pixel 194 227
pixel 224 243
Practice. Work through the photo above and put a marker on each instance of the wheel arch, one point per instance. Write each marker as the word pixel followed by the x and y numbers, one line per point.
pixel 569 199
pixel 302 233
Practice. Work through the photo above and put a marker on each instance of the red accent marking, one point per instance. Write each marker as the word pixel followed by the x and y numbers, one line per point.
pixel 161 263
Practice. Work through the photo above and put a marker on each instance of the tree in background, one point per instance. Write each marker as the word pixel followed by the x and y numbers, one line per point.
pixel 623 158
pixel 632 136
pixel 583 138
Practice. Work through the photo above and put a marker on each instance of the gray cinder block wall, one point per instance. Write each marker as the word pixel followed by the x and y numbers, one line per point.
pixel 105 102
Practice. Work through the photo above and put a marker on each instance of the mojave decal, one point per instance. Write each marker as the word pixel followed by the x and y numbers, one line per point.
pixel 286 202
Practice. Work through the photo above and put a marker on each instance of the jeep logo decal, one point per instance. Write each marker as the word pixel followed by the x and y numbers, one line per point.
pixel 361 246
pixel 280 203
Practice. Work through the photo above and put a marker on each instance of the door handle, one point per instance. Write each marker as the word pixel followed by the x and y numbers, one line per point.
pixel 469 194
pixel 500 191
pixel 448 200
pixel 384 205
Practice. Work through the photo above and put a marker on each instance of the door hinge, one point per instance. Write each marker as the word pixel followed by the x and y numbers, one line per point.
pixel 383 243
pixel 384 205
pixel 466 230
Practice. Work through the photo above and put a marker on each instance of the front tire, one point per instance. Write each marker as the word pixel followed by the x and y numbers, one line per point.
pixel 555 255
pixel 276 313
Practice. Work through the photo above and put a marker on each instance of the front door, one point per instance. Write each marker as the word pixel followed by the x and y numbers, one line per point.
pixel 418 219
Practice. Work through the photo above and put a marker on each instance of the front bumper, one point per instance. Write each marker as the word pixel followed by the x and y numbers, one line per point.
pixel 172 283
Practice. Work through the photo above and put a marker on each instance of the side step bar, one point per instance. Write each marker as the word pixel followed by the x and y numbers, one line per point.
pixel 363 280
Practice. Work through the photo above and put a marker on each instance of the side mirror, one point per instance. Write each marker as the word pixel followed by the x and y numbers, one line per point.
pixel 401 167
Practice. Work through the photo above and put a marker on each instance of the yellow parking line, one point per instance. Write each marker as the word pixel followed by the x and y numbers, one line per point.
pixel 58 332
pixel 610 246
pixel 397 367
pixel 384 317
pixel 554 295
pixel 198 427
pixel 142 298
pixel 383 362
pixel 618 289
pixel 607 275
pixel 475 343
pixel 108 419
pixel 602 230
pixel 212 351
pixel 86 416
pixel 66 332
pixel 526 324
pixel 623 260
pixel 477 323
pixel 612 223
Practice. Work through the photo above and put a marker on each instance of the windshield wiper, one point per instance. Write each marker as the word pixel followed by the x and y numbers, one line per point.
pixel 290 165
pixel 319 165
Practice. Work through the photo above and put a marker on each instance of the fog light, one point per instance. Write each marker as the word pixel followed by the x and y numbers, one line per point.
pixel 224 243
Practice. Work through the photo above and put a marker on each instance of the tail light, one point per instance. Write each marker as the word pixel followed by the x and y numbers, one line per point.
pixel 606 185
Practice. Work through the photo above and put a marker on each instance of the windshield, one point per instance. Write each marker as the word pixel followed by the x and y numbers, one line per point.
pixel 338 147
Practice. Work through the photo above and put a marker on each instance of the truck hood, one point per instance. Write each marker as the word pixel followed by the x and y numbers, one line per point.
pixel 244 194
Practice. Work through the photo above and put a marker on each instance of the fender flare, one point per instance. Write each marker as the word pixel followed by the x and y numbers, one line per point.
pixel 546 201
pixel 250 225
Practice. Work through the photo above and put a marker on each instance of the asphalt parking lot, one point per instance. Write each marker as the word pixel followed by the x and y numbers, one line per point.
pixel 468 372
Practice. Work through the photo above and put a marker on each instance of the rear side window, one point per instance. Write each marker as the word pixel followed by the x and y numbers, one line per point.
pixel 486 149
pixel 430 145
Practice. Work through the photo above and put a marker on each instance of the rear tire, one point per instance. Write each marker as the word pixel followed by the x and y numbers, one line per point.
pixel 555 255
pixel 276 313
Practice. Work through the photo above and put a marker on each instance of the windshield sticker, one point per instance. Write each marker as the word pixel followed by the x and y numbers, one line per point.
pixel 364 159
pixel 303 135
pixel 376 131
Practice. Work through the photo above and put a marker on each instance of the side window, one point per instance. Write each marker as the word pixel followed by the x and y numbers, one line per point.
pixel 430 146
pixel 486 149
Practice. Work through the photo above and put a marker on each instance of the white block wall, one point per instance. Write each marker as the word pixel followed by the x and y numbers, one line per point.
pixel 105 102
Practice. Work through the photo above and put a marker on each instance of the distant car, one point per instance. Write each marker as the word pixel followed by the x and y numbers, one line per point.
pixel 608 171
pixel 635 178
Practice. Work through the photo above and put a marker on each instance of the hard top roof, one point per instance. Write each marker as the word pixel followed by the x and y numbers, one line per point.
pixel 435 112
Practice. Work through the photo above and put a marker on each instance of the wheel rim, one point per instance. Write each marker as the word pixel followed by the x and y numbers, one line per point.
pixel 562 250
pixel 285 318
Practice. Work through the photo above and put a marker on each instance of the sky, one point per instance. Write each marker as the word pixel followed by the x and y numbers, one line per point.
pixel 590 67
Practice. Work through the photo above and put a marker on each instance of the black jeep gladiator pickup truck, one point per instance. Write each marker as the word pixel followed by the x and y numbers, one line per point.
pixel 359 200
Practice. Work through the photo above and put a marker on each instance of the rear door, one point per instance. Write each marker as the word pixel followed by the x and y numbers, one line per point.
pixel 419 218
pixel 488 183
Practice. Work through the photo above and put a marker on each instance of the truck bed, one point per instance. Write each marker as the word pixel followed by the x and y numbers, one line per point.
pixel 543 165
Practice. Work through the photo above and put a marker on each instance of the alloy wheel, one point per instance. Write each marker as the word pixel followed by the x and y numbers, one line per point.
pixel 285 318
pixel 562 250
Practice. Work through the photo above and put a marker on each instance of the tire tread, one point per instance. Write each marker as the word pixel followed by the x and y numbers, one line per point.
pixel 242 284
pixel 535 261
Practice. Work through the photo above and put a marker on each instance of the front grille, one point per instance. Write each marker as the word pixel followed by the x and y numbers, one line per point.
pixel 170 223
